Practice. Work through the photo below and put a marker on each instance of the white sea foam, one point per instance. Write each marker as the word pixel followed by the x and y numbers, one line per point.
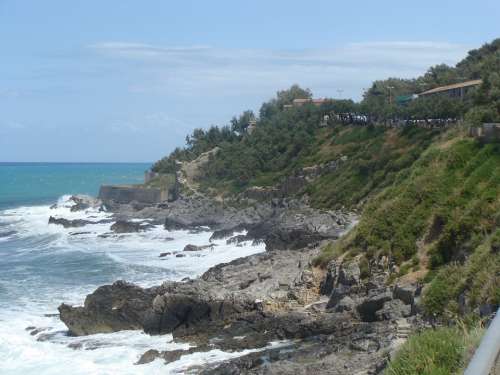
pixel 138 257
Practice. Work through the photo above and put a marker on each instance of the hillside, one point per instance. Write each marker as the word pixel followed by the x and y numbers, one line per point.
pixel 428 196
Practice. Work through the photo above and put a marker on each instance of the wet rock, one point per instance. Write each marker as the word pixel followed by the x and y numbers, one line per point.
pixel 123 226
pixel 69 223
pixel 84 202
pixel 192 307
pixel 109 308
pixel 148 357
pixel 162 255
pixel 239 239
pixel 197 248
pixel 226 233
pixel 180 255
pixel 79 233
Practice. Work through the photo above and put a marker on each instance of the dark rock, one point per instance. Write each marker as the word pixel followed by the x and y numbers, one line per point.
pixel 238 239
pixel 338 294
pixel 405 293
pixel 197 248
pixel 368 307
pixel 180 255
pixel 148 357
pixel 349 273
pixel 109 308
pixel 330 280
pixel 83 202
pixel 174 311
pixel 69 223
pixel 394 309
pixel 245 284
pixel 79 233
pixel 123 226
pixel 225 233
pixel 162 255
pixel 345 304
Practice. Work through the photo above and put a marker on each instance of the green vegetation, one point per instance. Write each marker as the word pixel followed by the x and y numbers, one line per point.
pixel 444 351
pixel 430 198
pixel 374 158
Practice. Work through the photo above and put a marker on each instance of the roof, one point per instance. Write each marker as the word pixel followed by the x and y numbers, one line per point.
pixel 474 82
pixel 314 101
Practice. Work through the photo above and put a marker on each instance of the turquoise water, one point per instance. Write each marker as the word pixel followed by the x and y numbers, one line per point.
pixel 42 265
pixel 39 183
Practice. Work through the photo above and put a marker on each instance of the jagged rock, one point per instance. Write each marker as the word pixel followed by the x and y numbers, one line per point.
pixel 167 356
pixel 109 308
pixel 123 226
pixel 76 223
pixel 176 311
pixel 349 273
pixel 330 280
pixel 84 202
pixel 405 293
pixel 368 308
pixel 148 357
pixel 345 304
pixel 238 239
pixel 365 344
pixel 394 309
pixel 197 248
pixel 162 255
pixel 226 233
pixel 338 293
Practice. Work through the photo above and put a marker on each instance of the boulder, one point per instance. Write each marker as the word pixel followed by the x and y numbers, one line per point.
pixel 197 248
pixel 349 273
pixel 124 226
pixel 330 280
pixel 84 202
pixel 109 308
pixel 368 308
pixel 405 293
pixel 394 309
pixel 69 223
pixel 183 311
pixel 338 293
pixel 345 304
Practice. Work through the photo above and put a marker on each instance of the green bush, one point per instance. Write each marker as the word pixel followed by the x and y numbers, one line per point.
pixel 444 351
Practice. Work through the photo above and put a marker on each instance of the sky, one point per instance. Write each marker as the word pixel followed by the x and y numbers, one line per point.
pixel 124 81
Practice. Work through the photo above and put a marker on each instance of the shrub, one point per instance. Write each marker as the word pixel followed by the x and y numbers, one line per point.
pixel 443 351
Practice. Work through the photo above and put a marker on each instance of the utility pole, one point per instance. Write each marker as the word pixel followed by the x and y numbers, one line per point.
pixel 340 91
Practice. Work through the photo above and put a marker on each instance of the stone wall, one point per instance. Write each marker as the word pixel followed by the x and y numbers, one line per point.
pixel 129 193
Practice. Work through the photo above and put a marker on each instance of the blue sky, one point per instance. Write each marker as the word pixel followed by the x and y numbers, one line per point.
pixel 122 80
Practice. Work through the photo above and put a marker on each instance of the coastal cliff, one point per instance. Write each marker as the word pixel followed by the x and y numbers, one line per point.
pixel 374 231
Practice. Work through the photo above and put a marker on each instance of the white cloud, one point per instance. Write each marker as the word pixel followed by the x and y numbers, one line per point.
pixel 193 70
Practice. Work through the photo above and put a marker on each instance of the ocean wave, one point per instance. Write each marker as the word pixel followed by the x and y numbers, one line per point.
pixel 45 264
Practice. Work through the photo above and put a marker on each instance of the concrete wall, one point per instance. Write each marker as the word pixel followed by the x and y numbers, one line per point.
pixel 128 193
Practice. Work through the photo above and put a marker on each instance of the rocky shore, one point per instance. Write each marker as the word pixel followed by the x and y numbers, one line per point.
pixel 295 318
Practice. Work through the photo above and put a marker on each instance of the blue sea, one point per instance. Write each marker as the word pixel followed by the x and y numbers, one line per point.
pixel 42 265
